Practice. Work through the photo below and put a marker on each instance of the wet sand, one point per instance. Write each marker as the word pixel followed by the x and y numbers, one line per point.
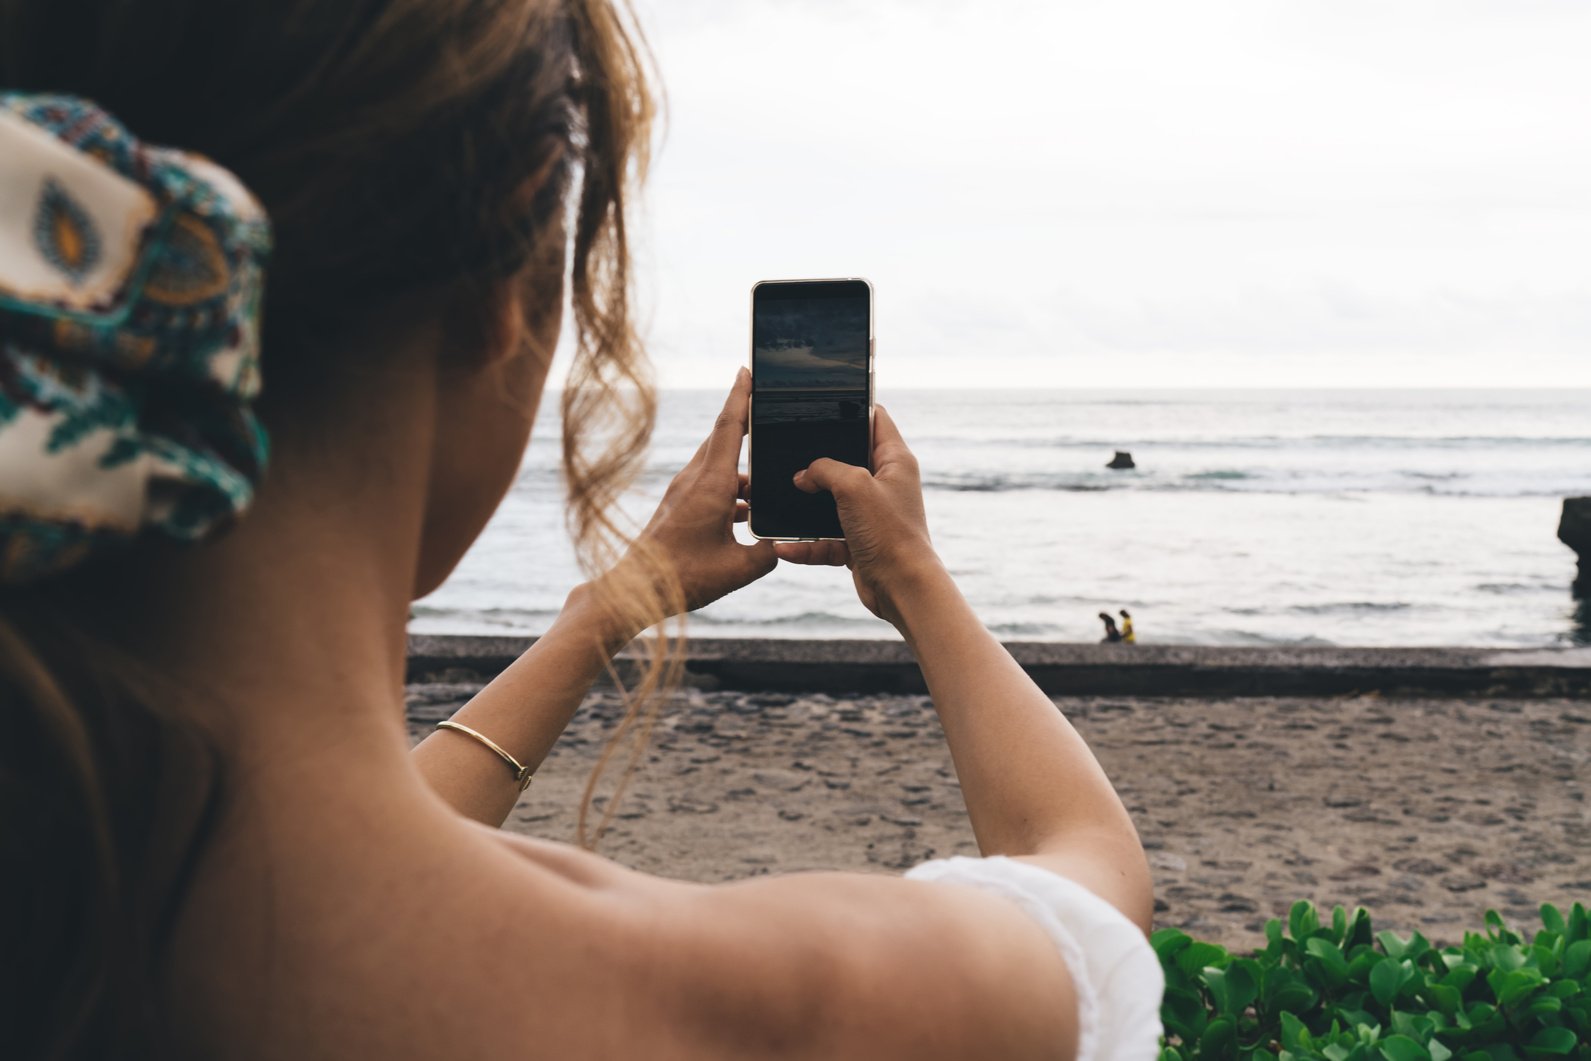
pixel 1428 811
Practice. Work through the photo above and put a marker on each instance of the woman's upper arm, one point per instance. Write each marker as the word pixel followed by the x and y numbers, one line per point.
pixel 847 965
pixel 1110 865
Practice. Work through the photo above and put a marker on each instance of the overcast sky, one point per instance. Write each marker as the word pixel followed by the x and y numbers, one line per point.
pixel 1129 193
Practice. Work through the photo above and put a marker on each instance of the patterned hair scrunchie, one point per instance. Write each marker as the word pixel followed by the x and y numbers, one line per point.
pixel 130 288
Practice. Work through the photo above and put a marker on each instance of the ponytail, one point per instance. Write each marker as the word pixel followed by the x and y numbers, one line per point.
pixel 92 869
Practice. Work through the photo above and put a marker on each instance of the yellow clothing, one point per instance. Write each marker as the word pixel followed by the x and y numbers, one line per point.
pixel 1126 630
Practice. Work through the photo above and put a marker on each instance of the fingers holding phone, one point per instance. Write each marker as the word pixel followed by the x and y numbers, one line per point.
pixel 832 481
pixel 881 512
pixel 694 523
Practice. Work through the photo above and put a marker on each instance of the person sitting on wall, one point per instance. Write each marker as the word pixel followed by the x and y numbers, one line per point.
pixel 1111 633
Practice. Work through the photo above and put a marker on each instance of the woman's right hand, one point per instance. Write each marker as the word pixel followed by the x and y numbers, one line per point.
pixel 886 530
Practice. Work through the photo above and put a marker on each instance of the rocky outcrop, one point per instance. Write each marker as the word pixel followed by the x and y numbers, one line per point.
pixel 1574 530
pixel 1121 461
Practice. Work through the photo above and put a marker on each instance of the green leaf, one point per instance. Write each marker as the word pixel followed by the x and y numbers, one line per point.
pixel 1294 1035
pixel 1507 957
pixel 1215 983
pixel 1577 958
pixel 1273 938
pixel 1285 991
pixel 1481 1013
pixel 1196 956
pixel 1460 976
pixel 1441 997
pixel 1579 924
pixel 1360 930
pixel 1513 986
pixel 1385 979
pixel 1552 919
pixel 1168 941
pixel 1360 961
pixel 1392 944
pixel 1183 1013
pixel 1402 1048
pixel 1302 920
pixel 1552 1041
pixel 1327 951
pixel 1438 1051
pixel 1544 956
pixel 1416 1026
pixel 1242 984
pixel 1219 1039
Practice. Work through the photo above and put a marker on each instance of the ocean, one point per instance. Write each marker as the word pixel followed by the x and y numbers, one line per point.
pixel 1326 517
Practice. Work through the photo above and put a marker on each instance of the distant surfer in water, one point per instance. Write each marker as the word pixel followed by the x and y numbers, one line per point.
pixel 1126 627
pixel 1111 633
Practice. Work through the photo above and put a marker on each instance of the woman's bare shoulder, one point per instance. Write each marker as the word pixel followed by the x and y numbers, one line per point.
pixel 452 939
pixel 824 964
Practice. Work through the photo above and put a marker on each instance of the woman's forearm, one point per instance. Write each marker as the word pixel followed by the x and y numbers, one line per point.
pixel 1031 784
pixel 524 709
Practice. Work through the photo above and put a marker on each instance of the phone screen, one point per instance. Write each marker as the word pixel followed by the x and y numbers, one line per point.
pixel 811 397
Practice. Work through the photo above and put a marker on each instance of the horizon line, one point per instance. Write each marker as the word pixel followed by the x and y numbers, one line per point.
pixel 1487 388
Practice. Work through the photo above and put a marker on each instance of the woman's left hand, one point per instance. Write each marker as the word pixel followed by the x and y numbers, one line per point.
pixel 693 526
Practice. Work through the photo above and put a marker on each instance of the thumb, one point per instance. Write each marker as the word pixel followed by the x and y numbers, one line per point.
pixel 831 475
pixel 759 557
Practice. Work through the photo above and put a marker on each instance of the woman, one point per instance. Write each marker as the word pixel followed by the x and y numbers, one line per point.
pixel 216 841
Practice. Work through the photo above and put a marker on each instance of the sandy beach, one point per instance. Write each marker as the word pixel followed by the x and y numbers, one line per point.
pixel 1427 811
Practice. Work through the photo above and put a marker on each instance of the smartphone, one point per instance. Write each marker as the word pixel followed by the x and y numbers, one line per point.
pixel 811 397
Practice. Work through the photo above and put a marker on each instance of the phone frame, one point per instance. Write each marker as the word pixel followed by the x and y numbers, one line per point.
pixel 751 366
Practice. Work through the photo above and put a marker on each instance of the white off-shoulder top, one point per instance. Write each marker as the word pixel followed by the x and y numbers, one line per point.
pixel 1116 973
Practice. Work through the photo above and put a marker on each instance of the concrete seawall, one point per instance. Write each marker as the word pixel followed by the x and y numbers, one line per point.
pixel 1125 670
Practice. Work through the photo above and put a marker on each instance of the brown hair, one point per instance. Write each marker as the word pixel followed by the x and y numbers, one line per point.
pixel 400 146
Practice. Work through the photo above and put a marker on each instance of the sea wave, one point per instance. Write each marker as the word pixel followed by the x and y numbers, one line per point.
pixel 1350 607
pixel 1533 481
pixel 485 617
pixel 999 483
pixel 1268 442
pixel 1553 483
pixel 1507 589
pixel 1247 638
pixel 800 619
pixel 1220 476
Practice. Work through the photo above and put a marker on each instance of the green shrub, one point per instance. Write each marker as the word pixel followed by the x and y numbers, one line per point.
pixel 1341 992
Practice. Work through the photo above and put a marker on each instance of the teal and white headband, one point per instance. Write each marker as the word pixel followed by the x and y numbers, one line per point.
pixel 130 292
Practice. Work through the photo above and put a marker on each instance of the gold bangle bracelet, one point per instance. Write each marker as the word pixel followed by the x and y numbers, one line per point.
pixel 522 775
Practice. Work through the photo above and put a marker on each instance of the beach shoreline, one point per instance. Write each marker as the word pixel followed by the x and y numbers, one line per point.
pixel 1426 809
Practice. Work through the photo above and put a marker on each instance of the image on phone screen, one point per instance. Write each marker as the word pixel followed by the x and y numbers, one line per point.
pixel 811 397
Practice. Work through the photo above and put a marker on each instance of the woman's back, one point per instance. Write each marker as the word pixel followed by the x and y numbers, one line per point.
pixel 204 664
pixel 404 937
